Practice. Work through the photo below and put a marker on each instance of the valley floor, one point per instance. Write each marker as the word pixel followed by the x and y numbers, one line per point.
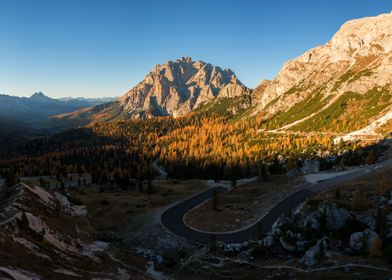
pixel 126 230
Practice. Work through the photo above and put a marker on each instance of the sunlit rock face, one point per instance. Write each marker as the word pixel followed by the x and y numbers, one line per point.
pixel 178 87
pixel 357 58
pixel 172 89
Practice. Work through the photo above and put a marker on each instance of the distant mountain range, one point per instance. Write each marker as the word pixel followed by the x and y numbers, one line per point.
pixel 86 101
pixel 344 86
pixel 35 110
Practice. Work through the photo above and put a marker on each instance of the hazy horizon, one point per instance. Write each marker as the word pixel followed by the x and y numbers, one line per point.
pixel 103 48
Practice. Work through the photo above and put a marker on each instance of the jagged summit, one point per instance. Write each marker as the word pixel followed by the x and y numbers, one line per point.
pixel 171 89
pixel 175 88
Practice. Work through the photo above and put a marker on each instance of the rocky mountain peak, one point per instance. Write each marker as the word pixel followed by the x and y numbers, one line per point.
pixel 365 33
pixel 175 88
pixel 38 95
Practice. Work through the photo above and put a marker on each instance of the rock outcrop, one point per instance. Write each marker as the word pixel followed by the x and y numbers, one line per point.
pixel 361 241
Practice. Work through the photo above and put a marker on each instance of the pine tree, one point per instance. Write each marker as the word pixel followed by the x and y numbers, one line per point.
pixel 140 185
pixel 360 201
pixel 369 158
pixel 213 243
pixel 337 194
pixel 380 222
pixel 150 187
pixel 383 186
pixel 260 230
pixel 215 200
pixel 321 250
pixel 9 183
pixel 233 182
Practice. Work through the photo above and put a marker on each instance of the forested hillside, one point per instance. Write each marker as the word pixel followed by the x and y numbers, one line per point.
pixel 196 146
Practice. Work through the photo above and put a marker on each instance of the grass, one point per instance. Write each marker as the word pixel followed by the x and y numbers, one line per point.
pixel 349 112
pixel 292 90
pixel 300 110
pixel 111 211
pixel 342 79
pixel 362 73
pixel 350 77
pixel 271 103
pixel 228 107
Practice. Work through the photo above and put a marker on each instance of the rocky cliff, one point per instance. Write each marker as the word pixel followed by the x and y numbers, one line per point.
pixel 354 69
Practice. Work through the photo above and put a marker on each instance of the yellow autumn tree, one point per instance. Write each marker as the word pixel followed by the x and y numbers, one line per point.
pixel 375 247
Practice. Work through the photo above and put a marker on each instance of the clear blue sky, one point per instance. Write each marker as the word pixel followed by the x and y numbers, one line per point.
pixel 102 48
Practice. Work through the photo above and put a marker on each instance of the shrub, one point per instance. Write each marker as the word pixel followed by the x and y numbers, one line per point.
pixel 321 252
pixel 213 243
pixel 260 252
pixel 360 201
pixel 337 194
pixel 387 253
pixel 105 202
pixel 380 221
pixel 383 186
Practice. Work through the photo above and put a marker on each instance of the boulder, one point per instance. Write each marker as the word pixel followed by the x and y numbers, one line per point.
pixel 293 242
pixel 362 240
pixel 311 221
pixel 311 256
pixel 336 216
pixel 310 166
pixel 286 245
pixel 357 241
pixel 268 241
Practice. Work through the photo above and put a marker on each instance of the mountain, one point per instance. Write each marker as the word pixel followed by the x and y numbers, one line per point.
pixel 341 86
pixel 171 89
pixel 86 102
pixel 35 110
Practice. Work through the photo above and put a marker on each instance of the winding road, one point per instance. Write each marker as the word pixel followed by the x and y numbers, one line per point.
pixel 173 218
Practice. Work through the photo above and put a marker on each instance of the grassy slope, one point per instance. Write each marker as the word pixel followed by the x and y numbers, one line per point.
pixel 300 110
pixel 349 112
pixel 236 107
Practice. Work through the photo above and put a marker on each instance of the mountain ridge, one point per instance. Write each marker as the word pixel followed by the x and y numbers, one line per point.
pixel 353 69
pixel 35 110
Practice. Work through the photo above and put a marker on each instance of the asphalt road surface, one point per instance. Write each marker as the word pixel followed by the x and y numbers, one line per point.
pixel 173 218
